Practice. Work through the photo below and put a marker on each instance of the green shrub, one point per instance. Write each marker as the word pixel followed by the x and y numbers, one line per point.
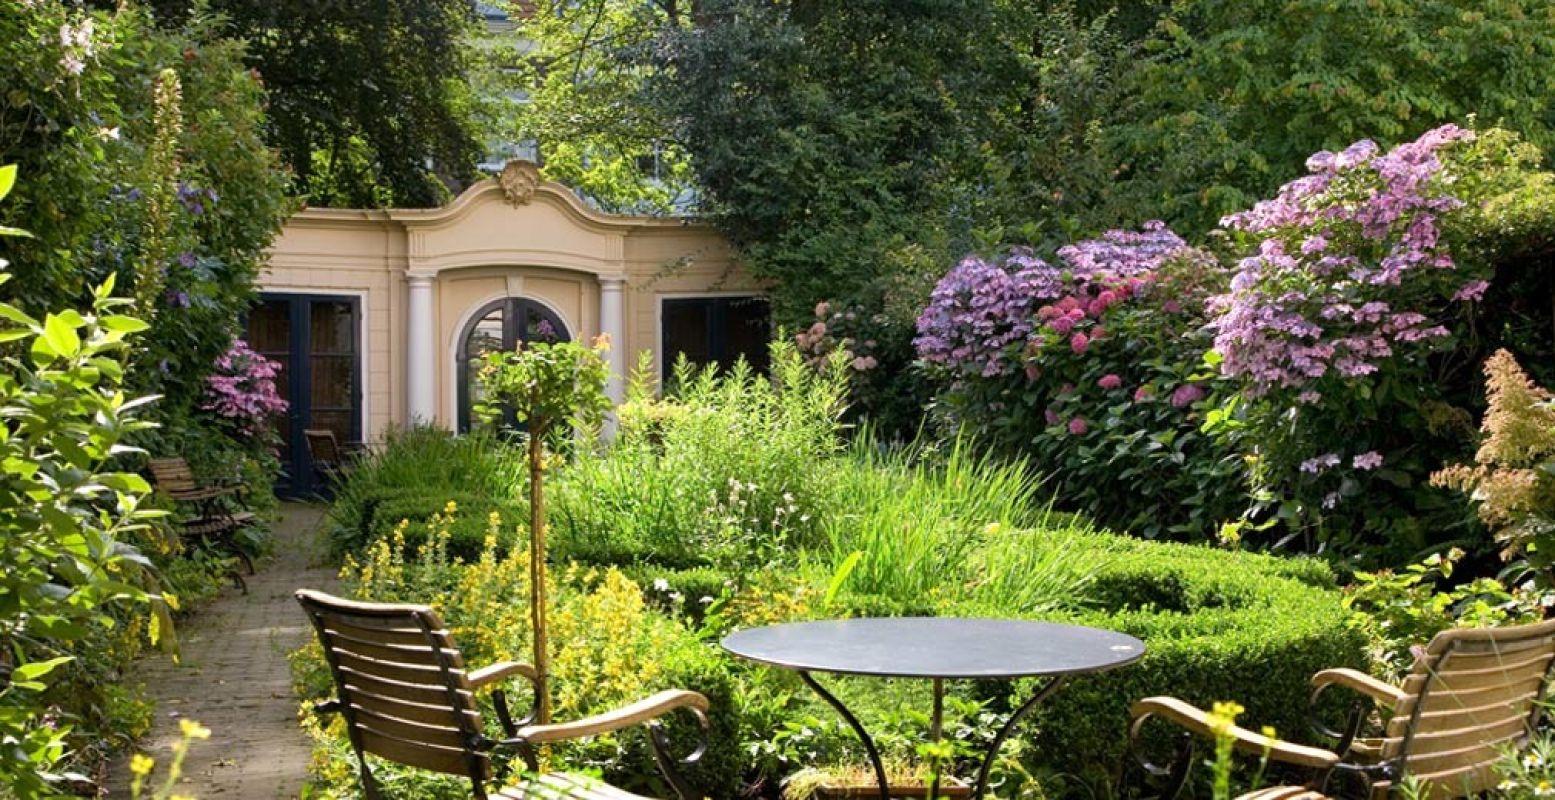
pixel 723 470
pixel 415 474
pixel 1218 626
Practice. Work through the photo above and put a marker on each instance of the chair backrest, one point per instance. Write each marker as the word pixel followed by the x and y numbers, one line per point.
pixel 1473 694
pixel 402 685
pixel 172 474
pixel 323 447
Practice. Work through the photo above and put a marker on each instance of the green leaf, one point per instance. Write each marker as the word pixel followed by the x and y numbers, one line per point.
pixel 848 565
pixel 37 669
pixel 7 179
pixel 61 335
pixel 123 324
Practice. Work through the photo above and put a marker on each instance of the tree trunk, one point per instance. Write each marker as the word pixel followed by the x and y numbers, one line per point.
pixel 537 572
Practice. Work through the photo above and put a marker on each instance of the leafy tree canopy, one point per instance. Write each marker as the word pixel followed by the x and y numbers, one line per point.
pixel 369 102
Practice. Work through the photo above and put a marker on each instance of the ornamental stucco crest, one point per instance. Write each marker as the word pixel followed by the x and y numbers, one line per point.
pixel 518 180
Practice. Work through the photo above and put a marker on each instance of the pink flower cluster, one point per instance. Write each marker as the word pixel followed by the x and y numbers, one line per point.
pixel 242 389
pixel 1349 259
pixel 984 319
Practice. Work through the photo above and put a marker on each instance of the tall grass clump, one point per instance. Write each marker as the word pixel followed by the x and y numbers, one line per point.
pixel 907 529
pixel 415 474
pixel 721 470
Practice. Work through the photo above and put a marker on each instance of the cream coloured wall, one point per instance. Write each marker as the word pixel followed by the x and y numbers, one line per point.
pixel 485 246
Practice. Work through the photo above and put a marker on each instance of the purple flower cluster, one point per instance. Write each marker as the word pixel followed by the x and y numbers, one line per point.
pixel 1348 258
pixel 242 389
pixel 983 319
pixel 194 198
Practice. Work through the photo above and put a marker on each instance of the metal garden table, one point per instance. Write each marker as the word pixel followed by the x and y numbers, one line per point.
pixel 937 649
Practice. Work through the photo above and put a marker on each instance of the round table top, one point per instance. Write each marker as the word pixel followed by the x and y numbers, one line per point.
pixel 936 647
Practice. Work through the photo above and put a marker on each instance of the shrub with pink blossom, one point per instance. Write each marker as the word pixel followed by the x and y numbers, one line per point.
pixel 1091 367
pixel 1351 318
pixel 242 390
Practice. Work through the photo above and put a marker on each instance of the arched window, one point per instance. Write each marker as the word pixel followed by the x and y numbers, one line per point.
pixel 500 325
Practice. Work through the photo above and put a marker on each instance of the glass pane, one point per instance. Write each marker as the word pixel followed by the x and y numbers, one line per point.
pixel 331 326
pixel 540 325
pixel 337 421
pixel 685 331
pixel 486 335
pixel 331 382
pixel 747 330
pixel 269 328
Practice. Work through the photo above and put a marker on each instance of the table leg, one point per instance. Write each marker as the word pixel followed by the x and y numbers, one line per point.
pixel 858 728
pixel 1044 693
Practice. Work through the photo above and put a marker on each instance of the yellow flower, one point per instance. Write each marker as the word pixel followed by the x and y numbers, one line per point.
pixel 1222 716
pixel 193 730
pixel 141 764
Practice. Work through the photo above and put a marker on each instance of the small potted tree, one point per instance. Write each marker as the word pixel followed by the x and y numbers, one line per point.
pixel 553 390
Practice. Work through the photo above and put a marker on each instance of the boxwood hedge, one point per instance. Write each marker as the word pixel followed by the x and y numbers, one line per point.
pixel 1218 625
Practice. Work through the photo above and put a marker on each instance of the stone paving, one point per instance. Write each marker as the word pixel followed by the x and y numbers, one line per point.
pixel 234 679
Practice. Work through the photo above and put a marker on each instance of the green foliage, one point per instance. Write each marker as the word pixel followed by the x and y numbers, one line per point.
pixel 353 139
pixel 547 386
pixel 1400 611
pixel 414 475
pixel 65 510
pixel 721 471
pixel 1528 772
pixel 577 65
pixel 1217 624
pixel 1230 97
pixel 180 203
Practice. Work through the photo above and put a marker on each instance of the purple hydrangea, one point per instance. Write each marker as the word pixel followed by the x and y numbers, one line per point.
pixel 1341 254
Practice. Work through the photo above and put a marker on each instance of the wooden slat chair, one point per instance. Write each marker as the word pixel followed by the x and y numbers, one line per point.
pixel 406 695
pixel 211 519
pixel 1474 694
pixel 331 461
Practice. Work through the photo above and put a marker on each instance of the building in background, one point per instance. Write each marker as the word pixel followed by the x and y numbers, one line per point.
pixel 377 315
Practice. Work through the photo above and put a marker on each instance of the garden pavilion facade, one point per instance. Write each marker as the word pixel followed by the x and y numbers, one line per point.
pixel 377 316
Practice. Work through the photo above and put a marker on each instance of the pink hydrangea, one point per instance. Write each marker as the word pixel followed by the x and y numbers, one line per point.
pixel 1110 381
pixel 1186 395
pixel 1338 252
pixel 1078 427
pixel 242 389
pixel 1078 343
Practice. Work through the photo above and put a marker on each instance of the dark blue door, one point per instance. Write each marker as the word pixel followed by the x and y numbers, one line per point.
pixel 315 340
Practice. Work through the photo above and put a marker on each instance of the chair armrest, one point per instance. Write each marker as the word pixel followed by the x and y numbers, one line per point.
pixel 1197 721
pixel 1385 694
pixel 641 711
pixel 501 670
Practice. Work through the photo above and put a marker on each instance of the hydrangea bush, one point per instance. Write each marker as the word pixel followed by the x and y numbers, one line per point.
pixel 1348 317
pixel 242 390
pixel 1092 367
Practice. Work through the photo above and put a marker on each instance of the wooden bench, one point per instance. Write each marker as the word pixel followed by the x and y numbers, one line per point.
pixel 211 519
pixel 1474 695
pixel 406 695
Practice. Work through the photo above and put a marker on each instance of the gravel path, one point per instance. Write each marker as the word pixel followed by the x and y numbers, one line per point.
pixel 234 679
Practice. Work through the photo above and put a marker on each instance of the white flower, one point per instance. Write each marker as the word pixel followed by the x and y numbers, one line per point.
pixel 676 597
pixel 1533 760
pixel 705 599
pixel 1544 789
pixel 73 65
pixel 661 585
pixel 1506 785
pixel 108 133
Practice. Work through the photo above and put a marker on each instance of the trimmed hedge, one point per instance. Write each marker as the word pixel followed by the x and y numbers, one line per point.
pixel 1218 625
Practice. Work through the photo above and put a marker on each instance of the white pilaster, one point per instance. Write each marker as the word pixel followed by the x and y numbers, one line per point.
pixel 421 352
pixel 612 323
